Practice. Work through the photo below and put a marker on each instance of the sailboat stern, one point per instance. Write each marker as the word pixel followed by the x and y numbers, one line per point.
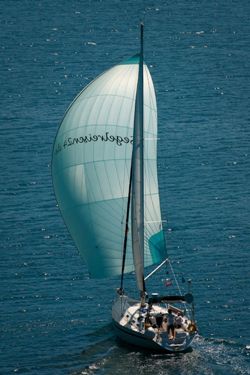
pixel 131 325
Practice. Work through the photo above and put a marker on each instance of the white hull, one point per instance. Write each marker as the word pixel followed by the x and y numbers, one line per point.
pixel 129 328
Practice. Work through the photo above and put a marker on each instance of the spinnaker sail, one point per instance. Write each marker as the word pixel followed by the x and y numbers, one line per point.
pixel 91 168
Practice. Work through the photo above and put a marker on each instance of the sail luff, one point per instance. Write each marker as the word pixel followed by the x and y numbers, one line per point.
pixel 137 212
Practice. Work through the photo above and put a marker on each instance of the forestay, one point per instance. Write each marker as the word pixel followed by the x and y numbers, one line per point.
pixel 91 166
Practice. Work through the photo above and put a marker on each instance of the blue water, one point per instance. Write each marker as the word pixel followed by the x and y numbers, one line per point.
pixel 54 319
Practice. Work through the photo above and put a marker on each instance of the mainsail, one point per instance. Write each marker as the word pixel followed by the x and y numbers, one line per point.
pixel 91 167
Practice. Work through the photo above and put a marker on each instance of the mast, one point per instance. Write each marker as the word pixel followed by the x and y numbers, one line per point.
pixel 137 208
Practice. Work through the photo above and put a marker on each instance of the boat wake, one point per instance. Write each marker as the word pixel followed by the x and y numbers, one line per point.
pixel 209 356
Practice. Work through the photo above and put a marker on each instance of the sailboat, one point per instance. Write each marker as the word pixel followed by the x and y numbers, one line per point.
pixel 104 171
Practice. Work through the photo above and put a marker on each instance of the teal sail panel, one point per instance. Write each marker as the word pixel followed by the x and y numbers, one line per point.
pixel 91 166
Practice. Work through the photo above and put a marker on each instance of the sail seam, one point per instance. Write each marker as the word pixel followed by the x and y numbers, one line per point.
pixel 92 202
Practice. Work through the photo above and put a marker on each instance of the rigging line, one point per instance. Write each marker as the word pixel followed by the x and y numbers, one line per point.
pixel 126 228
pixel 176 281
pixel 156 269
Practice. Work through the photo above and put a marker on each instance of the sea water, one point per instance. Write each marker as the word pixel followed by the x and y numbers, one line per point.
pixel 54 318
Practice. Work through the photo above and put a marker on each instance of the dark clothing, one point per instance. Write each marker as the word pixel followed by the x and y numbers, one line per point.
pixel 171 328
pixel 159 320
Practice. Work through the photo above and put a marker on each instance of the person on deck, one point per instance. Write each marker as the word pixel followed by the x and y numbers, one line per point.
pixel 171 328
pixel 159 320
pixel 165 324
pixel 179 320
